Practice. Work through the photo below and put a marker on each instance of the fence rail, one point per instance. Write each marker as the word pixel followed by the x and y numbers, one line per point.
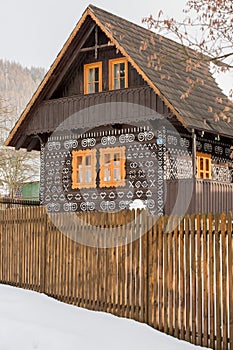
pixel 6 203
pixel 174 274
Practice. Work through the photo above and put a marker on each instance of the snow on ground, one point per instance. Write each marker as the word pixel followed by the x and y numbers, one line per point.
pixel 30 320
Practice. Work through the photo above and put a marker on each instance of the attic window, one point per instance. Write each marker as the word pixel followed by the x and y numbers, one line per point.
pixel 84 169
pixel 118 73
pixel 112 167
pixel 204 166
pixel 92 78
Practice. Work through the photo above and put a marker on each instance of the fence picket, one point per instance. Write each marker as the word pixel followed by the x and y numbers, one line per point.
pixel 179 280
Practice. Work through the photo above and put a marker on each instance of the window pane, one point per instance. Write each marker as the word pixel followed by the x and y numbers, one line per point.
pixel 107 176
pixel 122 83
pixel 116 71
pixel 116 174
pixel 96 74
pixel 97 87
pixel 116 84
pixel 201 163
pixel 207 164
pixel 116 158
pixel 91 75
pixel 122 70
pixel 88 160
pixel 79 161
pixel 80 174
pixel 88 175
pixel 107 158
pixel 90 88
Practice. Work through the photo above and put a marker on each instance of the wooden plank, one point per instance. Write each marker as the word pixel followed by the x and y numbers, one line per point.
pixel 120 273
pixel 211 282
pixel 91 251
pixel 137 272
pixel 230 276
pixel 1 242
pixel 187 279
pixel 205 282
pixel 193 278
pixel 101 264
pixel 17 247
pixel 166 280
pixel 104 286
pixel 31 249
pixel 144 264
pixel 114 268
pixel 218 303
pixel 126 263
pixel 27 251
pixel 199 264
pixel 224 282
pixel 171 277
pixel 34 251
pixel 75 262
pixel 182 281
pixel 176 278
pixel 150 254
pixel 160 279
pixel 128 224
pixel 82 260
pixel 156 274
pixel 109 262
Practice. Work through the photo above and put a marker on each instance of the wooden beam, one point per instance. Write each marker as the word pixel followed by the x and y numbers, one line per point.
pixel 32 144
pixel 20 142
pixel 96 42
pixel 85 49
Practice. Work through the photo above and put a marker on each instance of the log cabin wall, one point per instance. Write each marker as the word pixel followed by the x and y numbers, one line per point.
pixel 146 165
pixel 158 165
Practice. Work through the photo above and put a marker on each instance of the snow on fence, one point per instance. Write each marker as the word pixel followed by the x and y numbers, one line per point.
pixel 178 280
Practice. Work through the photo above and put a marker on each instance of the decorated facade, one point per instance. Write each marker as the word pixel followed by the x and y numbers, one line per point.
pixel 112 129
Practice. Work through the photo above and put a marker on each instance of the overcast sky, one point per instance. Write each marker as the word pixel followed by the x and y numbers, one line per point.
pixel 33 32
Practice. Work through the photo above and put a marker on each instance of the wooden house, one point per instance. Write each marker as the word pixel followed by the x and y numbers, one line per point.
pixel 112 125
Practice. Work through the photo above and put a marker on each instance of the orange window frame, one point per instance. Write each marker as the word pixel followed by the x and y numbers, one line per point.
pixel 110 153
pixel 204 166
pixel 112 63
pixel 76 184
pixel 87 83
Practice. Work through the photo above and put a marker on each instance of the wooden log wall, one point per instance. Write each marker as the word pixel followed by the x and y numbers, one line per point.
pixel 176 276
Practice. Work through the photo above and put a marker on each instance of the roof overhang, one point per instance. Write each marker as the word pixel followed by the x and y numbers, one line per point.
pixel 40 93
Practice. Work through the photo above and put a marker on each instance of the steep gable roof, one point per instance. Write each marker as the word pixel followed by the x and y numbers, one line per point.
pixel 140 45
pixel 168 80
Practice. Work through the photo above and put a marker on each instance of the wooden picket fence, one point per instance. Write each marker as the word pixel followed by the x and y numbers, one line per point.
pixel 174 274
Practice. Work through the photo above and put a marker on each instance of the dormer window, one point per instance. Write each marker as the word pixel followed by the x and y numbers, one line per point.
pixel 92 78
pixel 118 74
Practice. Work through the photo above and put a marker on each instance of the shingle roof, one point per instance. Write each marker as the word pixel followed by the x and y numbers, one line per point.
pixel 140 45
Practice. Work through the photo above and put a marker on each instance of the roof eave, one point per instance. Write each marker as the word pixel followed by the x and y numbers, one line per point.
pixel 36 96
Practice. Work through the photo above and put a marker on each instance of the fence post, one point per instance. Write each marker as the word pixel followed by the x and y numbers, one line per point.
pixel 230 277
pixel 43 239
pixel 1 239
